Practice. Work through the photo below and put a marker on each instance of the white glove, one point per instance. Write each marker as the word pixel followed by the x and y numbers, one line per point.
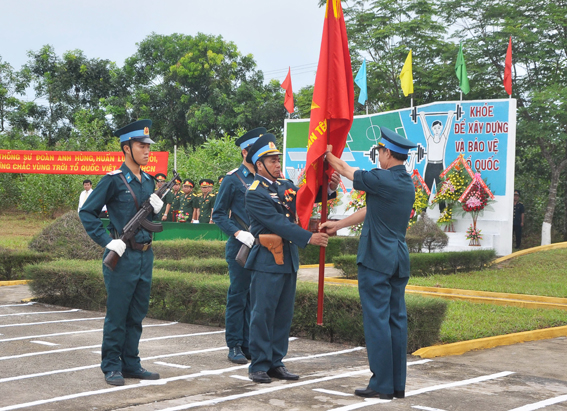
pixel 156 203
pixel 118 246
pixel 245 238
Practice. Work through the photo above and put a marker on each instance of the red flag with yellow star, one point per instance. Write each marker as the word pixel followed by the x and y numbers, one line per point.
pixel 332 108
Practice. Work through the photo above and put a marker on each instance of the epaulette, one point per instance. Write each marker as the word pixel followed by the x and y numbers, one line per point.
pixel 112 173
pixel 254 185
pixel 232 171
pixel 199 195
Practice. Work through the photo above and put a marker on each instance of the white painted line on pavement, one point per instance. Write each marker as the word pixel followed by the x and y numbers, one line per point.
pixel 241 377
pixel 324 391
pixel 86 347
pixel 329 353
pixel 52 322
pixel 421 407
pixel 74 332
pixel 541 404
pixel 41 312
pixel 167 364
pixel 96 352
pixel 43 374
pixel 167 337
pixel 164 381
pixel 44 343
pixel 432 388
pixel 17 305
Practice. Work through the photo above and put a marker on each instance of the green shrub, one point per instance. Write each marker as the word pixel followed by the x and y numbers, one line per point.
pixel 195 249
pixel 12 262
pixel 66 238
pixel 347 263
pixel 193 265
pixel 338 245
pixel 426 264
pixel 425 233
pixel 201 299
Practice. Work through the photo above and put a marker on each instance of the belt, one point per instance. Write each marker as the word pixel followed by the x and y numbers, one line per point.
pixel 139 246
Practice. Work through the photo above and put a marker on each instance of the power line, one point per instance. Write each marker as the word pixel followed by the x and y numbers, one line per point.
pixel 300 67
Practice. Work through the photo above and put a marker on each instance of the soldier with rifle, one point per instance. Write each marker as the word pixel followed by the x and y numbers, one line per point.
pixel 128 193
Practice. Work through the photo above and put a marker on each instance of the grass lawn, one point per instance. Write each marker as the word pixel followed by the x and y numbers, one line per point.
pixel 542 273
pixel 19 228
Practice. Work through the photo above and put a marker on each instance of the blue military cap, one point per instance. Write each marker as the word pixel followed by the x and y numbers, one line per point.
pixel 138 130
pixel 264 146
pixel 394 142
pixel 250 137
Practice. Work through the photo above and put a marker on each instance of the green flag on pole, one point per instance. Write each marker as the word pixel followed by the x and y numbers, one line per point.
pixel 461 71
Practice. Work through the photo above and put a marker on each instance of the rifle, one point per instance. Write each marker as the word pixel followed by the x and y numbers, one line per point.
pixel 138 221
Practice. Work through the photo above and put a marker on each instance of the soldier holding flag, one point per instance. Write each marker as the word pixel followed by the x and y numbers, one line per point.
pixel 383 261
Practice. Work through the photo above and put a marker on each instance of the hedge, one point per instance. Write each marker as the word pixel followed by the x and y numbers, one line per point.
pixel 338 245
pixel 192 265
pixel 201 299
pixel 424 264
pixel 12 262
pixel 182 249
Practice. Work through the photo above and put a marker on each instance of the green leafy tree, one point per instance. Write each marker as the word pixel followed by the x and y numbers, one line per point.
pixel 195 88
pixel 383 32
pixel 11 85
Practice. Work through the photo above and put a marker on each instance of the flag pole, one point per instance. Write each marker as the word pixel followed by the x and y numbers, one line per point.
pixel 321 293
pixel 367 107
pixel 461 95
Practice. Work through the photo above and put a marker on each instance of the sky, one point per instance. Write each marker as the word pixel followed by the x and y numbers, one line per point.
pixel 278 34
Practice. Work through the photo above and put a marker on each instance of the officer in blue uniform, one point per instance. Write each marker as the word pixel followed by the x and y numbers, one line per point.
pixel 270 204
pixel 383 261
pixel 230 198
pixel 128 286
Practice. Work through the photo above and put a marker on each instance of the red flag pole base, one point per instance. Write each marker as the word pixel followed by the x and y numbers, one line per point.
pixel 321 293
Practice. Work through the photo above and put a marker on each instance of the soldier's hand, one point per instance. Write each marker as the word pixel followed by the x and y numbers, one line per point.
pixel 118 246
pixel 335 181
pixel 164 217
pixel 156 203
pixel 320 239
pixel 245 238
pixel 331 226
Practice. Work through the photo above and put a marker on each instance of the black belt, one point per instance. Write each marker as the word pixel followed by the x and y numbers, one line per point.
pixel 139 246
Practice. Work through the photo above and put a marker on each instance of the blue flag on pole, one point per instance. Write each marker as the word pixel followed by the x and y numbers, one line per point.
pixel 360 81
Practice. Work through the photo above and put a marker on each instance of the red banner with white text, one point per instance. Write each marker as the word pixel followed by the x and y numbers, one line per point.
pixel 73 162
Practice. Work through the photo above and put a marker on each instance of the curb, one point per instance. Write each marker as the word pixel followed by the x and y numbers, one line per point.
pixel 547 247
pixel 16 282
pixel 490 342
pixel 329 265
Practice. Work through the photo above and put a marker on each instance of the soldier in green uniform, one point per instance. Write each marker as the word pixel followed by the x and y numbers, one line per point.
pixel 160 178
pixel 383 261
pixel 170 198
pixel 206 202
pixel 128 286
pixel 187 203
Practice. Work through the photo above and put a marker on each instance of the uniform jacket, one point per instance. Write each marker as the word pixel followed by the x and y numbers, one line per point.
pixel 231 198
pixel 112 191
pixel 271 210
pixel 390 195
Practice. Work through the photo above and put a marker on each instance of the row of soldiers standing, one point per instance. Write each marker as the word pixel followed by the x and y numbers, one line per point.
pixel 183 206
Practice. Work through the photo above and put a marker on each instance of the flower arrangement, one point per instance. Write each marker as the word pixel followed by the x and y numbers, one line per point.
pixel 421 202
pixel 331 205
pixel 449 191
pixel 183 217
pixel 474 235
pixel 357 202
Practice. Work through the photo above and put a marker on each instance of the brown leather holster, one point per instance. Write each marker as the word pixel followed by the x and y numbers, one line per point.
pixel 274 244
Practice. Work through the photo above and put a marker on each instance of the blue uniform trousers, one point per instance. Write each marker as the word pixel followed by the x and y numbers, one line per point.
pixel 385 328
pixel 128 296
pixel 272 297
pixel 237 314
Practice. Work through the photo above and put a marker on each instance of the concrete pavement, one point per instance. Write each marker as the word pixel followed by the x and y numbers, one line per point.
pixel 49 360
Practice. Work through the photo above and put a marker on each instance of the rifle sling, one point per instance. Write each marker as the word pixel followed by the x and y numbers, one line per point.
pixel 131 191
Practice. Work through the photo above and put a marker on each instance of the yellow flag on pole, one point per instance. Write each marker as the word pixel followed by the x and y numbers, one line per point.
pixel 406 76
